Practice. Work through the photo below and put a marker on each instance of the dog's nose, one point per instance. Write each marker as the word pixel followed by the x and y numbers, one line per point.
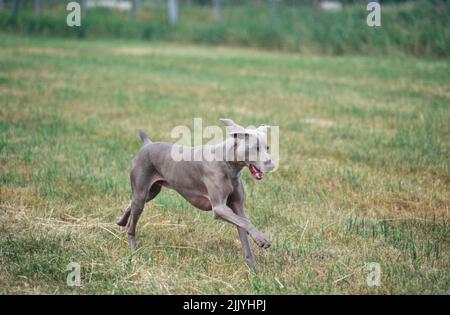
pixel 268 162
pixel 268 166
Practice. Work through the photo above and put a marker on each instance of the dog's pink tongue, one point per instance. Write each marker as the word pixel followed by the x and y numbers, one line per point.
pixel 255 172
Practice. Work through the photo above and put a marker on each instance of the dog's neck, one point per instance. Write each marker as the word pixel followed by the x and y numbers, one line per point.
pixel 229 147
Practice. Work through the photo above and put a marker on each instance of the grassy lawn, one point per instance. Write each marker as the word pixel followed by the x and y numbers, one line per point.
pixel 363 177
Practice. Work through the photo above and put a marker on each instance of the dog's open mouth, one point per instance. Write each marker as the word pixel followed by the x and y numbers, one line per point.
pixel 256 172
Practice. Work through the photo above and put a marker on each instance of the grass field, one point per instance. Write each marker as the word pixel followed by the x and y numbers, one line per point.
pixel 363 177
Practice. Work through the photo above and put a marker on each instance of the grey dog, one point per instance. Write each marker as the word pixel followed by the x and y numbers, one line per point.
pixel 207 183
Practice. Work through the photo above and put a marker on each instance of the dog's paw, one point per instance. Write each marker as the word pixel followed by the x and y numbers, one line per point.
pixel 261 240
pixel 121 222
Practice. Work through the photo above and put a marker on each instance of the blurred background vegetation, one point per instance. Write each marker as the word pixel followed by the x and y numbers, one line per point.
pixel 417 28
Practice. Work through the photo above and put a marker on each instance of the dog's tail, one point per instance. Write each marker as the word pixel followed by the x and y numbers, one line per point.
pixel 144 137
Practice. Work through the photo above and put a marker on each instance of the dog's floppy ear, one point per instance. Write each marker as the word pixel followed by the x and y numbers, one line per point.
pixel 263 128
pixel 232 128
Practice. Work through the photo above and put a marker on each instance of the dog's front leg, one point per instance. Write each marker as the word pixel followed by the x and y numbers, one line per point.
pixel 243 236
pixel 224 212
pixel 236 203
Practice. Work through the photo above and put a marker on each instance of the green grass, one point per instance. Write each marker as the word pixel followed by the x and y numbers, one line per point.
pixel 418 28
pixel 364 173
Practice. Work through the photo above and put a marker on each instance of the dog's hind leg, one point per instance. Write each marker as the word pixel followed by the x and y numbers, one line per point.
pixel 123 220
pixel 153 192
pixel 136 208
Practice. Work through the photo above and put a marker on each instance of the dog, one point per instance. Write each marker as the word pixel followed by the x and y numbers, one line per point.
pixel 206 183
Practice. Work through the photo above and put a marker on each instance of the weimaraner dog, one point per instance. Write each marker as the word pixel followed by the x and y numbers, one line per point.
pixel 207 183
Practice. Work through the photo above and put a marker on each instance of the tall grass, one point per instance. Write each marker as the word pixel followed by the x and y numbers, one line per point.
pixel 416 28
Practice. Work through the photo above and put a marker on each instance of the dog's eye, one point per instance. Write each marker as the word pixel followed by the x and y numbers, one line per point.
pixel 267 148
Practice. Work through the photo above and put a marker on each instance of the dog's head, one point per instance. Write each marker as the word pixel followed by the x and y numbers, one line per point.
pixel 251 147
